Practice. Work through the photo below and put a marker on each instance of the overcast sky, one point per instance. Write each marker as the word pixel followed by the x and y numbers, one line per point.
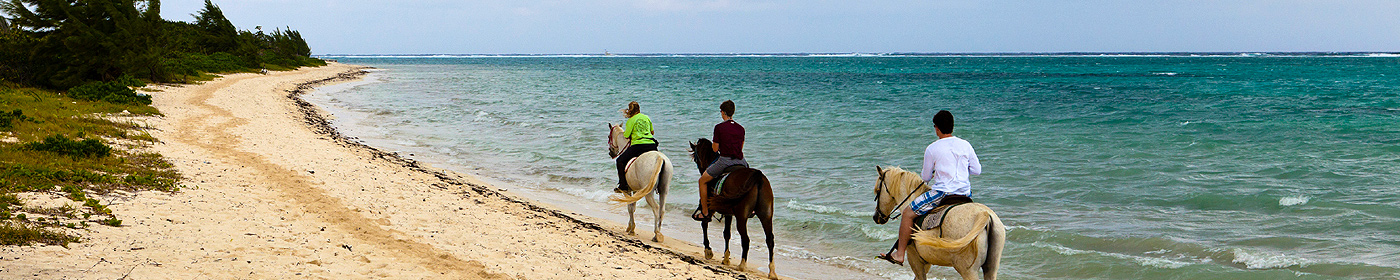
pixel 826 26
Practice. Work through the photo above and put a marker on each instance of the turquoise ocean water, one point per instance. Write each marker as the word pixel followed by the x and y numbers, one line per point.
pixel 1110 167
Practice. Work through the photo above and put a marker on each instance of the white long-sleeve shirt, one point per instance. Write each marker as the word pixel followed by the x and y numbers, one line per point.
pixel 947 164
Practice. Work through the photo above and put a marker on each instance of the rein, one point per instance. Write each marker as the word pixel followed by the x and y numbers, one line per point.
pixel 894 213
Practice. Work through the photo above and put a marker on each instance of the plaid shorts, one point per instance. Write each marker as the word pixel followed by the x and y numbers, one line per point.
pixel 926 202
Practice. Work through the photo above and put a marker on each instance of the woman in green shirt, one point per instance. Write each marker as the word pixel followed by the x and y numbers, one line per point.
pixel 638 129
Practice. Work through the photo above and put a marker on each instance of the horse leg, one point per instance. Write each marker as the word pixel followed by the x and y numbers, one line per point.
pixel 996 241
pixel 656 209
pixel 765 216
pixel 705 233
pixel 920 269
pixel 631 219
pixel 916 262
pixel 727 219
pixel 968 273
pixel 744 239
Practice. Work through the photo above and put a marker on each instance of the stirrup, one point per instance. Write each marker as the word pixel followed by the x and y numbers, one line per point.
pixel 695 213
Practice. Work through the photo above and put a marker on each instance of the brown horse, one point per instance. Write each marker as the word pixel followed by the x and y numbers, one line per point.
pixel 746 193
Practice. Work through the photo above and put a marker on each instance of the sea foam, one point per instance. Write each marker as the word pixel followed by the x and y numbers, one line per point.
pixel 1266 261
pixel 1158 262
pixel 1293 200
pixel 823 209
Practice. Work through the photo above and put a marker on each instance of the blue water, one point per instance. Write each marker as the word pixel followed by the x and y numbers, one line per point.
pixel 1119 167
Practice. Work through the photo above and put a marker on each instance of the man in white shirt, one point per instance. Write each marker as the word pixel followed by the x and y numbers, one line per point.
pixel 948 162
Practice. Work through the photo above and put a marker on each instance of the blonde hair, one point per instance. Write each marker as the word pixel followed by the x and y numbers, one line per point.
pixel 633 109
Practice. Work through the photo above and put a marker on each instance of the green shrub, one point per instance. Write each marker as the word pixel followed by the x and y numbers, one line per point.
pixel 97 207
pixel 7 200
pixel 112 222
pixel 114 92
pixel 20 234
pixel 8 119
pixel 74 193
pixel 62 145
pixel 128 80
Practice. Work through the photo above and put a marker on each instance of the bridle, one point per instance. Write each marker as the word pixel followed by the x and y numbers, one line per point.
pixel 614 151
pixel 894 213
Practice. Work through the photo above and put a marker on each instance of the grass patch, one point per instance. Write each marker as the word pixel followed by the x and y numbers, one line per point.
pixel 18 233
pixel 62 147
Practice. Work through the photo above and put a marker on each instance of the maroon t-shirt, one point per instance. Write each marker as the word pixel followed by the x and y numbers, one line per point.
pixel 730 136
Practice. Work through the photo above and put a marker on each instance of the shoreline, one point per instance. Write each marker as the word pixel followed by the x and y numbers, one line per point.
pixel 273 191
pixel 321 125
pixel 794 259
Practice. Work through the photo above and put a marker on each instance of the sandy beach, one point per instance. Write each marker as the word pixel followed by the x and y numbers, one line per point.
pixel 272 191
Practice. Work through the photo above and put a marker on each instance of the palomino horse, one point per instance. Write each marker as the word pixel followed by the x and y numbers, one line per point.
pixel 649 176
pixel 971 235
pixel 746 193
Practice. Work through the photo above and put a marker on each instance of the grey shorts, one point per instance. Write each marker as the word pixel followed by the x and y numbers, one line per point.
pixel 716 169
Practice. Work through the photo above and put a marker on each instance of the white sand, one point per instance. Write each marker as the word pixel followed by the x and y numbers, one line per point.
pixel 267 197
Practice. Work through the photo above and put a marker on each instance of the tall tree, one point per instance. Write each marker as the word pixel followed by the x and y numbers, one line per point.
pixel 219 33
pixel 77 41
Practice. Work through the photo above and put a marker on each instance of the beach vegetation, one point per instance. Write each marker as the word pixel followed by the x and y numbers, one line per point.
pixel 13 233
pixel 59 144
pixel 64 145
pixel 59 44
pixel 8 119
pixel 67 67
pixel 113 91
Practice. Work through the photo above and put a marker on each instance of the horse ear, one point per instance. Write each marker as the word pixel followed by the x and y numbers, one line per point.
pixel 878 170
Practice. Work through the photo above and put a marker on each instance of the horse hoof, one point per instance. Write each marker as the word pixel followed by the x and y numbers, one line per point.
pixel 709 254
pixel 658 238
pixel 725 262
pixel 772 271
pixel 743 263
pixel 772 275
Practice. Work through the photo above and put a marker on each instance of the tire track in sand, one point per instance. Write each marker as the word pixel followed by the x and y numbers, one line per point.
pixel 209 130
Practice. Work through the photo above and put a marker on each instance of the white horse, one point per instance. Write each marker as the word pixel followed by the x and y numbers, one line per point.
pixel 649 176
pixel 970 237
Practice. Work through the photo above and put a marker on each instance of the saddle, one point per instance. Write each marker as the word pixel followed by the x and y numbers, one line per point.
pixel 721 198
pixel 718 183
pixel 630 162
pixel 934 218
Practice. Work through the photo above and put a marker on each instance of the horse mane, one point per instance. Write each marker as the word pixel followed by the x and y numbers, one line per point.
pixel 703 147
pixel 903 181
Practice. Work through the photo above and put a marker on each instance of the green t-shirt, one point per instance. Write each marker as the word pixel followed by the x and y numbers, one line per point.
pixel 638 129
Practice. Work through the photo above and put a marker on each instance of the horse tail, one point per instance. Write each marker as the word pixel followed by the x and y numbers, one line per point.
pixel 645 189
pixel 926 238
pixel 996 241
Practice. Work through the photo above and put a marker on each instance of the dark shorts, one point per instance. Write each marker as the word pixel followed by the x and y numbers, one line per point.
pixel 717 168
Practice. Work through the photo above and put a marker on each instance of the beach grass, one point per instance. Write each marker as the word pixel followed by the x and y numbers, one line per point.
pixel 51 143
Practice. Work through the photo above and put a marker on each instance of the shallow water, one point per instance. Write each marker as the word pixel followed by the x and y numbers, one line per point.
pixel 1171 167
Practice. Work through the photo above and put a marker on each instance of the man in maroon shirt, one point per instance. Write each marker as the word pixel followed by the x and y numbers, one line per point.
pixel 729 142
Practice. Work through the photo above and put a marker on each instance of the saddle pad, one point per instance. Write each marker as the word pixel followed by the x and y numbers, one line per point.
pixel 718 184
pixel 934 218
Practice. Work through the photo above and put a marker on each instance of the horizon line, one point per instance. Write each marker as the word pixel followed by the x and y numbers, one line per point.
pixel 878 54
